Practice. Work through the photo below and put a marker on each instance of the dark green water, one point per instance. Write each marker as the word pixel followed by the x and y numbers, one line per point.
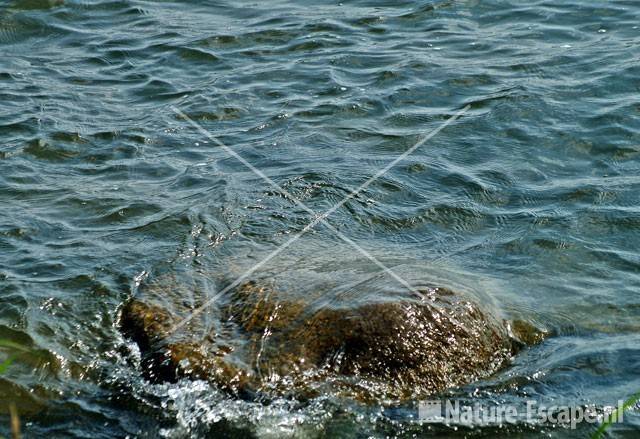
pixel 532 196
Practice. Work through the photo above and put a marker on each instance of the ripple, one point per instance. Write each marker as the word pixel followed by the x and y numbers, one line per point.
pixel 41 149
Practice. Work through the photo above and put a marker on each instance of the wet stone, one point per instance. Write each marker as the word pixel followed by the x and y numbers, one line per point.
pixel 265 346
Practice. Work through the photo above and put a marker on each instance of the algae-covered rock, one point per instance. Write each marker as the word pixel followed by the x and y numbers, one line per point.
pixel 264 343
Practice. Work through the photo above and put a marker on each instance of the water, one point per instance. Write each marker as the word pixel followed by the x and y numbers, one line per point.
pixel 531 196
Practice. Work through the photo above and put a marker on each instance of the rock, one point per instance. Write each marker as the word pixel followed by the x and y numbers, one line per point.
pixel 263 345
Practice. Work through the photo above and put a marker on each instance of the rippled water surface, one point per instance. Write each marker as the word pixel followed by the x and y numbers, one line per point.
pixel 532 196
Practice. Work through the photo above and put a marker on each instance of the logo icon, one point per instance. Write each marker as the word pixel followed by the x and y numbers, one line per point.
pixel 430 411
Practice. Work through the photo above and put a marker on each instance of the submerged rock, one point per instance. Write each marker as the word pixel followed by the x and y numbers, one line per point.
pixel 263 345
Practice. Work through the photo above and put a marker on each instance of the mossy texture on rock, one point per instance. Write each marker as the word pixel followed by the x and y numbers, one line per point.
pixel 406 348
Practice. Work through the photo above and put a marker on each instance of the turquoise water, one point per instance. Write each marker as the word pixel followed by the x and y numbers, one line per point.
pixel 531 197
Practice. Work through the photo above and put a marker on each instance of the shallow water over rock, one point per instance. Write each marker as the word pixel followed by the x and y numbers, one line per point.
pixel 258 342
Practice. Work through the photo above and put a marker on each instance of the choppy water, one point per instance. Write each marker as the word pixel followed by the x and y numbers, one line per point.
pixel 533 194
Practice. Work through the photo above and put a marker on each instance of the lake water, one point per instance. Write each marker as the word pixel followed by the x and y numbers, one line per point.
pixel 532 196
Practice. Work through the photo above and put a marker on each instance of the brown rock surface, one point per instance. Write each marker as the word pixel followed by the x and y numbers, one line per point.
pixel 406 348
